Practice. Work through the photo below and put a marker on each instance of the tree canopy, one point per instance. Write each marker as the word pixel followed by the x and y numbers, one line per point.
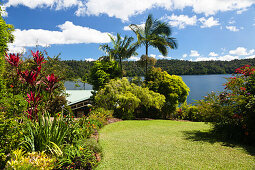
pixel 124 98
pixel 156 34
pixel 5 37
pixel 123 48
pixel 171 86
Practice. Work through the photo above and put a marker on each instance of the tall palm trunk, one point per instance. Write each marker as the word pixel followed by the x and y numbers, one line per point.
pixel 121 68
pixel 146 60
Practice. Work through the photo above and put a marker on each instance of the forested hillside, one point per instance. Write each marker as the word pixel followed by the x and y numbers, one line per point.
pixel 178 67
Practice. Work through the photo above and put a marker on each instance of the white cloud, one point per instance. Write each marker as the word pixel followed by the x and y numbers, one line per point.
pixel 241 11
pixel 3 12
pixel 232 28
pixel 89 59
pixel 221 58
pixel 241 51
pixel 207 23
pixel 57 4
pixel 153 55
pixel 133 58
pixel 194 53
pixel 123 10
pixel 232 21
pixel 180 21
pixel 69 34
pixel 250 57
pixel 184 55
pixel 213 54
pixel 205 58
pixel 127 28
pixel 227 58
pixel 164 57
pixel 16 49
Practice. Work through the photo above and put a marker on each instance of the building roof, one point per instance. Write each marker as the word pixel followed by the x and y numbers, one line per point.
pixel 76 96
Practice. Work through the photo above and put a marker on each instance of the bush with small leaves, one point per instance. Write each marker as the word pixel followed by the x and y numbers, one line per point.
pixel 124 98
pixel 171 86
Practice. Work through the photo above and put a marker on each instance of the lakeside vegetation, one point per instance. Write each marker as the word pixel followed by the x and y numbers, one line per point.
pixel 38 129
pixel 173 67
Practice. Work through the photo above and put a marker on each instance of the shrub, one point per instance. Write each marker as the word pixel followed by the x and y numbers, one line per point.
pixel 35 160
pixel 124 98
pixel 10 137
pixel 101 115
pixel 233 111
pixel 45 135
pixel 171 86
pixel 77 156
pixel 13 105
pixel 188 112
pixel 102 72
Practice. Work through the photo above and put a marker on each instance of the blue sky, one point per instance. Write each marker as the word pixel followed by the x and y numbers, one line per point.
pixel 204 29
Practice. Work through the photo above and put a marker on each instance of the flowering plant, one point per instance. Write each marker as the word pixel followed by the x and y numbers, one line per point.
pixel 31 79
pixel 240 94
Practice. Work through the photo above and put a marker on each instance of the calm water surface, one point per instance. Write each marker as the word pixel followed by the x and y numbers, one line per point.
pixel 200 85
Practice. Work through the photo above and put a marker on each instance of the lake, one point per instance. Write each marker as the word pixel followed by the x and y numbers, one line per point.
pixel 200 85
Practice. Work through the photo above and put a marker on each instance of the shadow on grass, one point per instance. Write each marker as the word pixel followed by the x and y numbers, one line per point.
pixel 213 137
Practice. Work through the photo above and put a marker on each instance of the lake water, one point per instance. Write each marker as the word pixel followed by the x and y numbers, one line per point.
pixel 200 85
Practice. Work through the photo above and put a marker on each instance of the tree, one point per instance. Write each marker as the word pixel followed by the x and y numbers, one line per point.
pixel 84 79
pixel 123 48
pixel 102 72
pixel 5 37
pixel 146 61
pixel 171 86
pixel 124 98
pixel 155 33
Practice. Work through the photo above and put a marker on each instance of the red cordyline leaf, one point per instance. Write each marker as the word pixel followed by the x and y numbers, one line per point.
pixel 30 77
pixel 38 58
pixel 51 81
pixel 13 59
pixel 33 99
pixel 32 113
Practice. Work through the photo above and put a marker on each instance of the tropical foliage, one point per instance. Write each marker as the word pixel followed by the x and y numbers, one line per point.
pixel 102 72
pixel 5 37
pixel 171 86
pixel 124 98
pixel 122 49
pixel 156 34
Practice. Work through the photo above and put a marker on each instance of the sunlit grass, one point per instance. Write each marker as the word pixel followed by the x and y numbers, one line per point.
pixel 164 144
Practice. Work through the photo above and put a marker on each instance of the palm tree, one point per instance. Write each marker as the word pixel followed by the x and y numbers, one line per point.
pixel 123 48
pixel 155 33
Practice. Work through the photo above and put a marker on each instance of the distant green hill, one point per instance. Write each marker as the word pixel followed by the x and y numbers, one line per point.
pixel 177 67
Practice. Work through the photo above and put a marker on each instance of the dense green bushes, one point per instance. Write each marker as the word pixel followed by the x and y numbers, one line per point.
pixel 124 98
pixel 25 122
pixel 232 112
pixel 5 37
pixel 171 86
pixel 11 137
pixel 102 72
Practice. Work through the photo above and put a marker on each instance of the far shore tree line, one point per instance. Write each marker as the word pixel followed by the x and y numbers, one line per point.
pixel 173 67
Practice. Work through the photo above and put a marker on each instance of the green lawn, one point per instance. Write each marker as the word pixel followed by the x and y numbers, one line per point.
pixel 165 144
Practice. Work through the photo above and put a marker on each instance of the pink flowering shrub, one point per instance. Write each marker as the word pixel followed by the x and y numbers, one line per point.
pixel 233 111
pixel 34 83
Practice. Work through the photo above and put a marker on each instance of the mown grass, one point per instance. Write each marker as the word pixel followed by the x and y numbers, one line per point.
pixel 165 144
